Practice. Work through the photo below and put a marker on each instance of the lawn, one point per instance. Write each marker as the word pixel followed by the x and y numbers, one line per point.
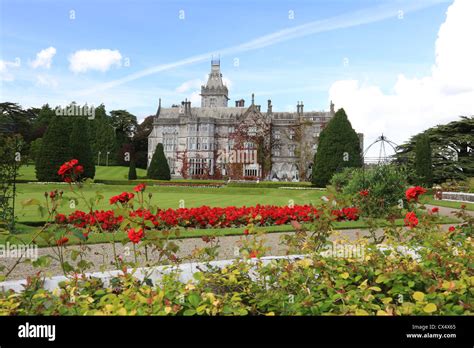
pixel 448 204
pixel 166 197
pixel 102 173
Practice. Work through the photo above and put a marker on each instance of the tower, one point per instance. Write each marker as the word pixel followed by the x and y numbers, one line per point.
pixel 214 93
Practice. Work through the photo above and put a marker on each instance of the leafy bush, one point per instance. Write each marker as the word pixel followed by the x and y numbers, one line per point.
pixel 384 185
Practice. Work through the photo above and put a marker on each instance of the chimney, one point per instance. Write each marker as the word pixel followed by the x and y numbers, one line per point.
pixel 269 107
pixel 240 103
pixel 298 108
pixel 301 106
pixel 258 107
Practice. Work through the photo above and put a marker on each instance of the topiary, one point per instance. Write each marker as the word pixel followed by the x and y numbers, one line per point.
pixel 159 168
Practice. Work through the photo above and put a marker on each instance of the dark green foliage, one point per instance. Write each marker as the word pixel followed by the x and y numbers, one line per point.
pixel 132 171
pixel 80 146
pixel 423 164
pixel 55 149
pixel 336 139
pixel 451 146
pixel 386 185
pixel 159 168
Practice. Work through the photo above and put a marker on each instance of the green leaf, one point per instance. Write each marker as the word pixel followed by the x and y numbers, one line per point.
pixel 194 299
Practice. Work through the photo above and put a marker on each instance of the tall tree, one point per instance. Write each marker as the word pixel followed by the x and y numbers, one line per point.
pixel 338 147
pixel 55 150
pixel 80 146
pixel 159 168
pixel 140 142
pixel 452 147
pixel 125 125
pixel 423 163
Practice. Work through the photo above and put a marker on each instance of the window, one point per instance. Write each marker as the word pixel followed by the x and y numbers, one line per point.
pixel 231 130
pixel 276 151
pixel 277 134
pixel 291 150
pixel 252 131
pixel 248 145
pixel 231 144
pixel 292 134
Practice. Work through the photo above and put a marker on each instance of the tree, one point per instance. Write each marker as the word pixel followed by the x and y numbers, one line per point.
pixel 338 147
pixel 452 150
pixel 125 125
pixel 423 163
pixel 132 171
pixel 55 150
pixel 140 142
pixel 159 168
pixel 80 146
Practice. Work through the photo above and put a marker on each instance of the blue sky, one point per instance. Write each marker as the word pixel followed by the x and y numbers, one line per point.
pixel 372 42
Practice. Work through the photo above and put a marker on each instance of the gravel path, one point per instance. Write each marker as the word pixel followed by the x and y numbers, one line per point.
pixel 101 255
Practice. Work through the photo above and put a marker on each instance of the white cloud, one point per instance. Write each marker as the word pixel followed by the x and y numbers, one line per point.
pixel 46 81
pixel 101 60
pixel 416 104
pixel 44 58
pixel 188 85
pixel 5 69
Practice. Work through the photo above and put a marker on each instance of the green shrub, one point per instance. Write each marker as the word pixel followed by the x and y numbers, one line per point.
pixel 338 147
pixel 159 168
pixel 386 185
pixel 132 170
pixel 81 148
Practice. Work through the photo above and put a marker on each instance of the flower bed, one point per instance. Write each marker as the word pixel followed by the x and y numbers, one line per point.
pixel 205 216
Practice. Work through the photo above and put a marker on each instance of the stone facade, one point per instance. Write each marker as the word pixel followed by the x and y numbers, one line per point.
pixel 240 142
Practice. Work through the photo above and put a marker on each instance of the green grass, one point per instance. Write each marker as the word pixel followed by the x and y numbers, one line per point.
pixel 448 204
pixel 27 232
pixel 102 173
pixel 164 197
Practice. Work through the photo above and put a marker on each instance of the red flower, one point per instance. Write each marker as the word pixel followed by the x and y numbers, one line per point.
pixel 139 188
pixel 364 193
pixel 60 219
pixel 246 232
pixel 411 220
pixel 463 206
pixel 413 192
pixel 135 236
pixel 68 169
pixel 52 194
pixel 452 229
pixel 435 210
pixel 78 170
pixel 124 197
pixel 253 254
pixel 62 241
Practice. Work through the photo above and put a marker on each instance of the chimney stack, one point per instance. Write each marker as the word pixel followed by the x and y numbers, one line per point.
pixel 269 107
pixel 240 103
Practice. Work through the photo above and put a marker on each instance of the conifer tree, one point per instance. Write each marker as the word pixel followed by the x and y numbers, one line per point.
pixel 81 147
pixel 338 147
pixel 423 164
pixel 159 168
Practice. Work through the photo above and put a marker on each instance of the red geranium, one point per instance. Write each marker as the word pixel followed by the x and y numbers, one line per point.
pixel 135 236
pixel 452 229
pixel 62 241
pixel 139 188
pixel 364 193
pixel 411 220
pixel 413 193
pixel 124 197
pixel 70 170
pixel 435 210
pixel 253 254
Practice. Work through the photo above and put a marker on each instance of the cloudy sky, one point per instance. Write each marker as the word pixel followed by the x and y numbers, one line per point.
pixel 396 67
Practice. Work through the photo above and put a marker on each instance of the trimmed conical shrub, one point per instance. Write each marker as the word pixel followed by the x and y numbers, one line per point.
pixel 159 168
pixel 81 147
pixel 338 147
pixel 132 171
pixel 54 151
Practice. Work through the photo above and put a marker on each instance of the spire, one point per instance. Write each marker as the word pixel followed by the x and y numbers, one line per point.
pixel 214 93
pixel 159 108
